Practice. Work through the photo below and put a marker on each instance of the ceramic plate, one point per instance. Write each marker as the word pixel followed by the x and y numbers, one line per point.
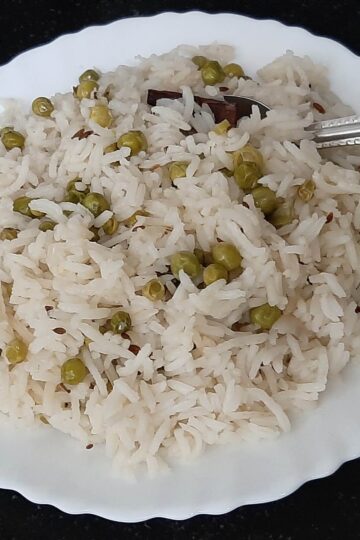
pixel 48 467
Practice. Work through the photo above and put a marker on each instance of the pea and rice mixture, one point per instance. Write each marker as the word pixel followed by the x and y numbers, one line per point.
pixel 169 282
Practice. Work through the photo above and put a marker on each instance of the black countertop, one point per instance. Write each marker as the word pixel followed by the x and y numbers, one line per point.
pixel 327 509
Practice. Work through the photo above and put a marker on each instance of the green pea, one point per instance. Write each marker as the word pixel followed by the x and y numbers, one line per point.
pixel 227 172
pixel 96 236
pixel 8 234
pixel 100 114
pixel 21 205
pixel 264 199
pixel 131 220
pixel 95 203
pixel 247 175
pixel 154 290
pixel 200 255
pixel 306 191
pixel 120 322
pixel 234 70
pixel 222 128
pixel 265 316
pixel 111 226
pixel 199 61
pixel 135 140
pixel 73 371
pixel 106 327
pixel 110 148
pixel 177 169
pixel 212 73
pixel 86 89
pixel 47 226
pixel 71 185
pixel 282 215
pixel 12 139
pixel 89 75
pixel 5 129
pixel 248 153
pixel 16 351
pixel 186 261
pixel 214 272
pixel 42 106
pixel 227 255
pixel 74 195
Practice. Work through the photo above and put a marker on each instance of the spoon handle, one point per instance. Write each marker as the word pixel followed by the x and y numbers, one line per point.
pixel 336 132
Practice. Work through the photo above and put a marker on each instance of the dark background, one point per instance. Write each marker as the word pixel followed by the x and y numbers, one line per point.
pixel 327 509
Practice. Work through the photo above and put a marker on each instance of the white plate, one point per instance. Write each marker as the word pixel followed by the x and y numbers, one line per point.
pixel 48 467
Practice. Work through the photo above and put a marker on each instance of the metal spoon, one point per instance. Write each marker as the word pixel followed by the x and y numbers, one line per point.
pixel 326 134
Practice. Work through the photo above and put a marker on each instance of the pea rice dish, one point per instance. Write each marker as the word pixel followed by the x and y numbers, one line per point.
pixel 170 281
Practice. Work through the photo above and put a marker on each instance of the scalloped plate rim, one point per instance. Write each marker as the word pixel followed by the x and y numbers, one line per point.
pixel 39 494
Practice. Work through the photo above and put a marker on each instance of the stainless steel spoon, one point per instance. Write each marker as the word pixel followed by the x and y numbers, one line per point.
pixel 326 134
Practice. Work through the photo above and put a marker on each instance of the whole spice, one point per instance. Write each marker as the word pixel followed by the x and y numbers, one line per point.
pixel 59 331
pixel 82 134
pixel 135 349
pixel 319 107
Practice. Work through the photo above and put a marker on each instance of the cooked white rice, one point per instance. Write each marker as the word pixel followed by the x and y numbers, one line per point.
pixel 195 382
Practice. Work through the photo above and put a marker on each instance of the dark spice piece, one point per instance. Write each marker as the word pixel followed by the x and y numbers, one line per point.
pixel 89 446
pixel 319 107
pixel 286 360
pixel 329 217
pixel 124 335
pixel 63 387
pixel 237 326
pixel 191 131
pixel 49 308
pixel 82 134
pixel 357 309
pixel 107 93
pixel 59 330
pixel 135 349
pixel 168 271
